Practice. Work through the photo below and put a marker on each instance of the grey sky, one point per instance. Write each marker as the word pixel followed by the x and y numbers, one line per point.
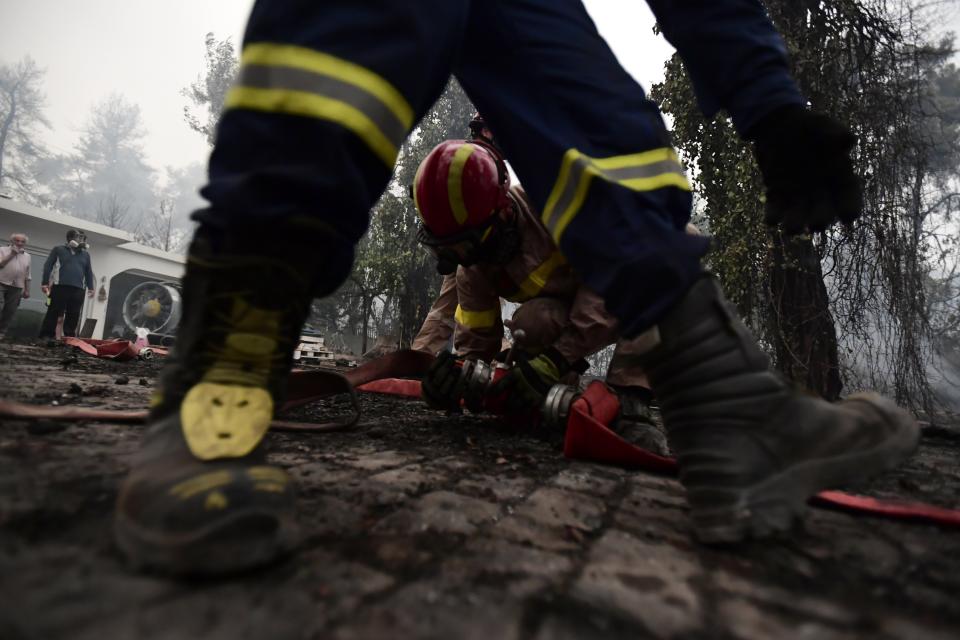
pixel 146 50
pixel 150 50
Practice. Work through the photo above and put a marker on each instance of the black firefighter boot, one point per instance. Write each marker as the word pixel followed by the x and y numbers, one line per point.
pixel 751 449
pixel 200 497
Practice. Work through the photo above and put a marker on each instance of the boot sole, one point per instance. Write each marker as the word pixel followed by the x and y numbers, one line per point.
pixel 775 504
pixel 242 542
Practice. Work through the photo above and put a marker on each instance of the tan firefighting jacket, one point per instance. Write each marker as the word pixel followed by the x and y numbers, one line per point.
pixel 537 270
pixel 438 326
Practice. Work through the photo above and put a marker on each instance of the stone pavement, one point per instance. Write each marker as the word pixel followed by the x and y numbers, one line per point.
pixel 420 525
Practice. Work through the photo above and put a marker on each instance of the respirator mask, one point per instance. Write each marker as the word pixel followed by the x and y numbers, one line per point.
pixel 79 242
pixel 464 249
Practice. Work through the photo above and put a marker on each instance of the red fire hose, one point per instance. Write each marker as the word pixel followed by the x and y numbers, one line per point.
pixel 588 438
pixel 587 435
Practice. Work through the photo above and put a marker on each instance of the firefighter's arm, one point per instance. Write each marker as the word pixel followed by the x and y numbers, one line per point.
pixel 736 59
pixel 479 327
pixel 48 266
pixel 88 274
pixel 591 327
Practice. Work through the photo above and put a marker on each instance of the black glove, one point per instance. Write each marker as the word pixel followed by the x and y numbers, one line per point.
pixel 526 385
pixel 441 386
pixel 805 161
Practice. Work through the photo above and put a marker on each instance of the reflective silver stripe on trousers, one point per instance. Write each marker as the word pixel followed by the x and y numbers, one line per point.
pixel 620 175
pixel 258 76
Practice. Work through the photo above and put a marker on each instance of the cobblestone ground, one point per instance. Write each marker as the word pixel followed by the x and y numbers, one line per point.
pixel 419 525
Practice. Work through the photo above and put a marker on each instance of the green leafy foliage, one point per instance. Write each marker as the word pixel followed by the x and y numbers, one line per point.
pixel 850 301
pixel 208 92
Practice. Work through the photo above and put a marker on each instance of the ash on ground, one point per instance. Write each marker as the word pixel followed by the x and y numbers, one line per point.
pixel 421 525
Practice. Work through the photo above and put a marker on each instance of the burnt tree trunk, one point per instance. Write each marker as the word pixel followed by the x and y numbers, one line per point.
pixel 801 325
pixel 803 332
pixel 367 301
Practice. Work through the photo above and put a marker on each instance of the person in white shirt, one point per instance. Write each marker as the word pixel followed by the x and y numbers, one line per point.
pixel 14 278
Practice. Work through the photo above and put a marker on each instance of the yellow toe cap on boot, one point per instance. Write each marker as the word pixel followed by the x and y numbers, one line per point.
pixel 225 421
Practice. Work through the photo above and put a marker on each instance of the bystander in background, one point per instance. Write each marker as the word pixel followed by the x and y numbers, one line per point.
pixel 14 278
pixel 66 297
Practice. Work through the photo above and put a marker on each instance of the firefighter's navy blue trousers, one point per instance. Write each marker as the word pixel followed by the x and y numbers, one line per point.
pixel 328 91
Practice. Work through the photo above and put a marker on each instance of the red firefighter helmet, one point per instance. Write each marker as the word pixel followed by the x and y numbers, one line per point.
pixel 459 187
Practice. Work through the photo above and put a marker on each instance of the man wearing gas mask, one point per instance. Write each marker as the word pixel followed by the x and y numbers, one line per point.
pixel 76 275
pixel 488 234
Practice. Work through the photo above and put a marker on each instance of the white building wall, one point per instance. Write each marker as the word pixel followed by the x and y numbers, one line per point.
pixel 111 252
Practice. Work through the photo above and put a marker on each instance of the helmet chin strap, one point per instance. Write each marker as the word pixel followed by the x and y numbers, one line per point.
pixel 500 246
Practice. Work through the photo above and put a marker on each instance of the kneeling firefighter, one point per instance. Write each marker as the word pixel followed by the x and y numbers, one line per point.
pixel 486 233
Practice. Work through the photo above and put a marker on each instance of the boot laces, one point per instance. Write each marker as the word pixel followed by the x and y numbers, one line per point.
pixel 244 343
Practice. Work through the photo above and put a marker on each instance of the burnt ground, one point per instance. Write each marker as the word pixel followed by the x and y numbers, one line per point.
pixel 419 525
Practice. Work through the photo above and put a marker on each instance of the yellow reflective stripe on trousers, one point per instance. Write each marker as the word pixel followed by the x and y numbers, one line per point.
pixel 288 79
pixel 537 280
pixel 476 319
pixel 455 182
pixel 646 171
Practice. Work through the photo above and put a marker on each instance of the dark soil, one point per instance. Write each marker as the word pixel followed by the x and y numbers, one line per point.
pixel 422 525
